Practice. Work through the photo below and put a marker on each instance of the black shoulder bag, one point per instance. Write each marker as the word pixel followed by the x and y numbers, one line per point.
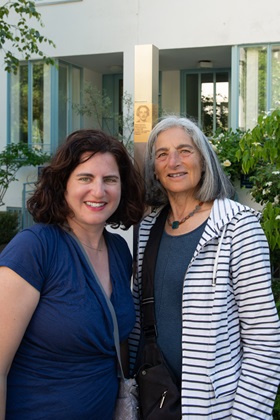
pixel 159 396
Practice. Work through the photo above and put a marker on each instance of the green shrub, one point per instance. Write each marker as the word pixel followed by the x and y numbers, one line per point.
pixel 226 144
pixel 276 292
pixel 276 410
pixel 8 226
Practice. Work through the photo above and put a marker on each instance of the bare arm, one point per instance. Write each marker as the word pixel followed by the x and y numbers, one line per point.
pixel 18 300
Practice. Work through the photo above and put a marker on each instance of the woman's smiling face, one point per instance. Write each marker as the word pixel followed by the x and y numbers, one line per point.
pixel 178 165
pixel 93 190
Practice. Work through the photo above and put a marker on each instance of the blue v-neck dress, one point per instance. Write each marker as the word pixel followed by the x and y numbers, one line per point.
pixel 65 367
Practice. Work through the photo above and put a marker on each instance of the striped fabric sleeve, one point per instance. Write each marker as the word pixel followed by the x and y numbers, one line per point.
pixel 259 321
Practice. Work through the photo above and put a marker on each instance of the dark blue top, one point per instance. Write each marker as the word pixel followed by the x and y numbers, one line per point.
pixel 65 367
pixel 174 256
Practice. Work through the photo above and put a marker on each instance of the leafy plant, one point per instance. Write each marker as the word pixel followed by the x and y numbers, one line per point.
pixel 276 293
pixel 98 105
pixel 271 225
pixel 257 152
pixel 125 122
pixel 226 145
pixel 260 152
pixel 8 226
pixel 261 145
pixel 266 185
pixel 12 158
pixel 19 36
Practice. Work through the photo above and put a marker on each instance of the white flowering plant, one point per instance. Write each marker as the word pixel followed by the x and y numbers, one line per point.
pixel 256 153
pixel 266 191
pixel 261 145
pixel 266 185
pixel 226 146
pixel 260 153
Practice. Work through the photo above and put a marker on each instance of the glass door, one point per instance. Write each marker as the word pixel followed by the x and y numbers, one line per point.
pixel 207 99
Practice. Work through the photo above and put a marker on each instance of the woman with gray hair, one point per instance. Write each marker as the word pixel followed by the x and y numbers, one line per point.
pixel 217 324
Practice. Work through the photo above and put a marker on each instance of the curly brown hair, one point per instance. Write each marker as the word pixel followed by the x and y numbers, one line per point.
pixel 48 203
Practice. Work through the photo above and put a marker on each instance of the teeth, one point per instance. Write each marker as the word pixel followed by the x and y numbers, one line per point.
pixel 94 204
pixel 175 175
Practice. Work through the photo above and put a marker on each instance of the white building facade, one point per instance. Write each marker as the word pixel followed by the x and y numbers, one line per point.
pixel 217 62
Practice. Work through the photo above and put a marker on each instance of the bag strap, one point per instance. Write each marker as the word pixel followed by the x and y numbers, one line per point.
pixel 110 306
pixel 148 272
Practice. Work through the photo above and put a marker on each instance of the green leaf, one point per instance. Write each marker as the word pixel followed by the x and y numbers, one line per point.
pixel 25 39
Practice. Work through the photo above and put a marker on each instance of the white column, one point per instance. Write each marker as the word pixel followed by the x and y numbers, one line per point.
pixel 146 75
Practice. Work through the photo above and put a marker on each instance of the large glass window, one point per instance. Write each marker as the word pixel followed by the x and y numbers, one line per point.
pixel 207 99
pixel 69 92
pixel 30 102
pixel 259 82
pixel 252 84
pixel 63 105
pixel 19 106
pixel 41 98
pixel 275 77
pixel 76 96
pixel 41 104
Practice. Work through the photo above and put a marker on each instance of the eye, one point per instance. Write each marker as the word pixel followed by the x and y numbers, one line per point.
pixel 111 180
pixel 186 152
pixel 84 179
pixel 162 155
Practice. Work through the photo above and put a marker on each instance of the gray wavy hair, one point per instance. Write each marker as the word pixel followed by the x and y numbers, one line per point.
pixel 213 184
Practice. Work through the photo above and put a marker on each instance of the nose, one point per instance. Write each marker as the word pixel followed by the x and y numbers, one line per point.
pixel 97 188
pixel 174 158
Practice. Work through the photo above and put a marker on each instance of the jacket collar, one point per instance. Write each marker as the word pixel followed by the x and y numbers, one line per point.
pixel 221 214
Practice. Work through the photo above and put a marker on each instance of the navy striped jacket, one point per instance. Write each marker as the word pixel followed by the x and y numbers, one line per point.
pixel 230 326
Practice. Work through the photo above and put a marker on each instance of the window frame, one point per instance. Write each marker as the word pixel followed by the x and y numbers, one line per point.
pixel 199 73
pixel 53 104
pixel 235 72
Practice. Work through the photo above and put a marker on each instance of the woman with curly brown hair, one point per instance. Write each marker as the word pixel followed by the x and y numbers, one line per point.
pixel 58 359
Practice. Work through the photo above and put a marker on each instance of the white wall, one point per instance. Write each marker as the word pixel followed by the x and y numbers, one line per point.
pixel 110 26
pixel 13 197
pixel 126 234
pixel 244 197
